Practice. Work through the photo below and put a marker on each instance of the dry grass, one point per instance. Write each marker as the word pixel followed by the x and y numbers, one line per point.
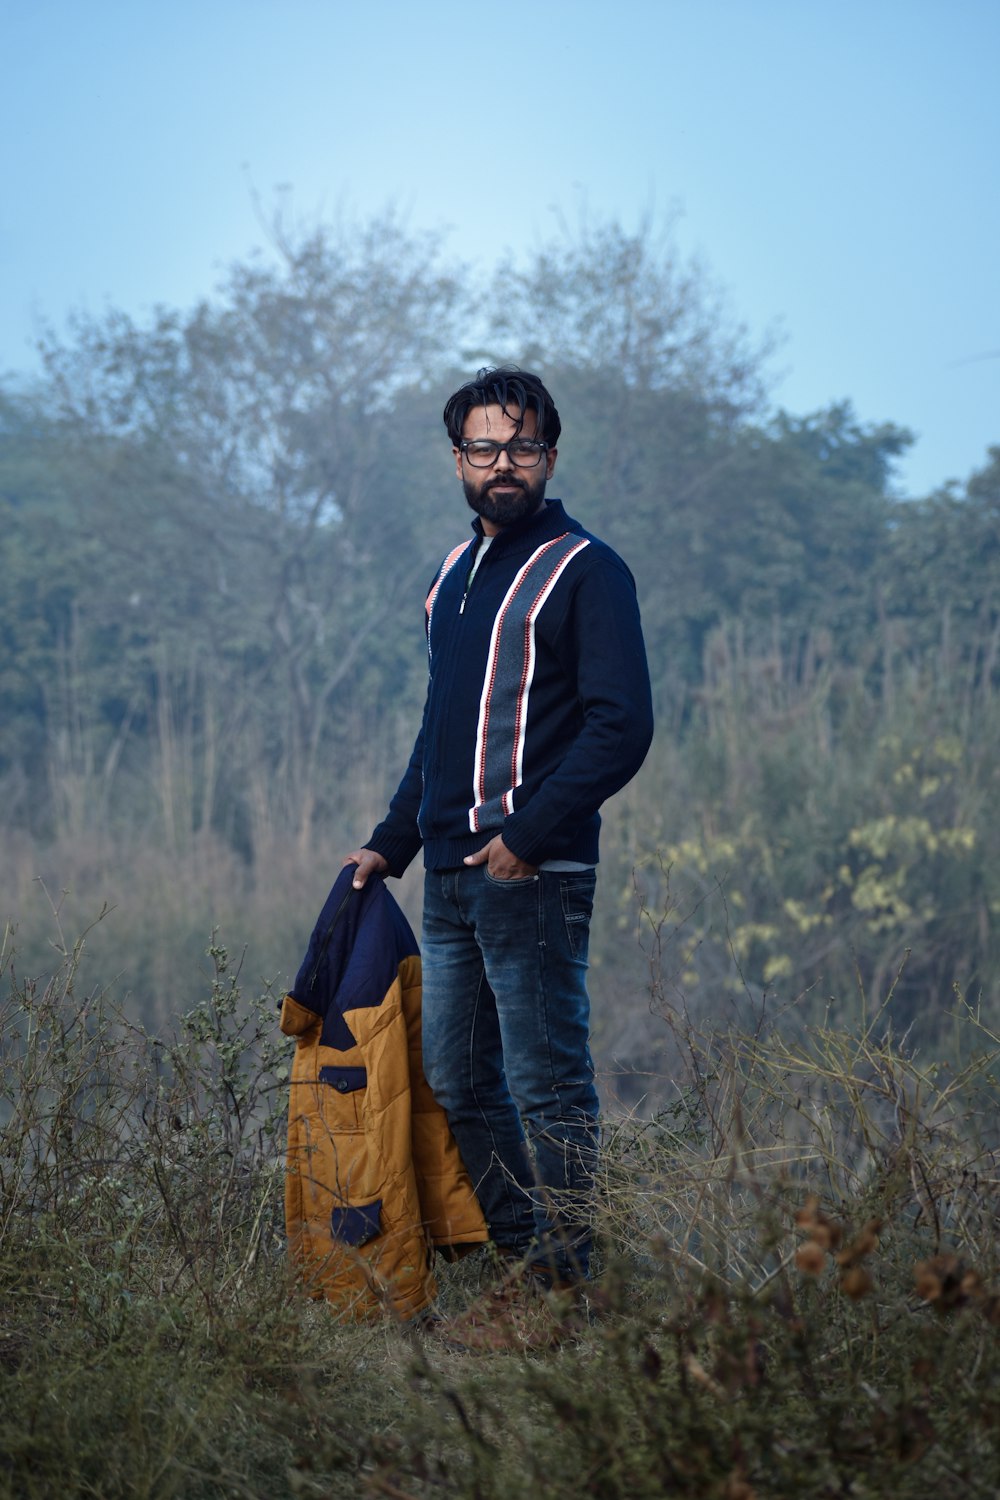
pixel 799 1293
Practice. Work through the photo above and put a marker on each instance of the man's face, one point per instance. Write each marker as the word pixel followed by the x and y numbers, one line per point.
pixel 504 493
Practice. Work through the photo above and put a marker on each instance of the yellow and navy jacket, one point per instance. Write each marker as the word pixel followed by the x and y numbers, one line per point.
pixel 538 703
pixel 374 1179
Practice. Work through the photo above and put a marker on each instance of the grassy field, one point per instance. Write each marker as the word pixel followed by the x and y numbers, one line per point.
pixel 799 1289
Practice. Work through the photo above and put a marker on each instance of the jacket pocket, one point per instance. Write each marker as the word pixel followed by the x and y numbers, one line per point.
pixel 357 1224
pixel 343 1091
pixel 344 1080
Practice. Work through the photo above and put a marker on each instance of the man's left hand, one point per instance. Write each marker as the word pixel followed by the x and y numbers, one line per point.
pixel 500 863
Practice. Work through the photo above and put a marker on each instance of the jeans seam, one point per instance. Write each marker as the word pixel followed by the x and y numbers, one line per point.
pixel 487 1123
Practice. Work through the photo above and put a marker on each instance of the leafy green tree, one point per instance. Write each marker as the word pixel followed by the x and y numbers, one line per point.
pixel 259 491
pixel 943 574
pixel 215 533
pixel 39 561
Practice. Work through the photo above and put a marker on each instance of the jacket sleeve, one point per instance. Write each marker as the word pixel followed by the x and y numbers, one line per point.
pixel 607 655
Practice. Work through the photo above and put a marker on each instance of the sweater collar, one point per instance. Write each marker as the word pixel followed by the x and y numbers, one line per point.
pixel 546 523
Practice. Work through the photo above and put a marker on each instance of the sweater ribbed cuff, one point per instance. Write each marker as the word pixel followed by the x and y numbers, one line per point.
pixel 399 850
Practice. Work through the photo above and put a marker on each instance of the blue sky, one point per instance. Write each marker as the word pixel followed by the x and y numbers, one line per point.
pixel 836 166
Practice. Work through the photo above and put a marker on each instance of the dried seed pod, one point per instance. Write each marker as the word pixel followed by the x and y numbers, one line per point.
pixel 945 1281
pixel 810 1258
pixel 863 1244
pixel 856 1283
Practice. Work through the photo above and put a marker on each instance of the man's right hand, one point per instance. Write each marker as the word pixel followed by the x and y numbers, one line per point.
pixel 368 863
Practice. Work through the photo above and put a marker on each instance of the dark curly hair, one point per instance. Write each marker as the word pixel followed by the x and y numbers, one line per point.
pixel 515 391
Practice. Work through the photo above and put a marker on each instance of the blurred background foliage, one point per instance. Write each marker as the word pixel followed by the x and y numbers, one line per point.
pixel 216 530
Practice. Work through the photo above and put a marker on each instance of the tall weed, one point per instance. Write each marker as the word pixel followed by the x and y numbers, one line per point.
pixel 799 1291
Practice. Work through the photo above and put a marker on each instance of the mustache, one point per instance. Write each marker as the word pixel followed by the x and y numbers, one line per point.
pixel 506 482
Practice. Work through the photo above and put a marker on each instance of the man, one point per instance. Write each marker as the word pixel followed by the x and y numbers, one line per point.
pixel 538 708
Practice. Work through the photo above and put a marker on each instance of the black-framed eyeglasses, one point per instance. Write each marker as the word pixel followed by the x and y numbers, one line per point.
pixel 482 453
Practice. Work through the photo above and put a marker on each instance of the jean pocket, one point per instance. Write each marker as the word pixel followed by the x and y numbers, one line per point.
pixel 520 882
pixel 576 895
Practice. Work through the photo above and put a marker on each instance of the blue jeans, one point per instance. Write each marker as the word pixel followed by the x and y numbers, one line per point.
pixel 506 1052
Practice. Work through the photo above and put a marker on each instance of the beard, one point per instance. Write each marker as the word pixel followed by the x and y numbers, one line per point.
pixel 503 506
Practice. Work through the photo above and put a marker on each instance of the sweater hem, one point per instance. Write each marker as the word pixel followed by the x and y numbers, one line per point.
pixel 449 854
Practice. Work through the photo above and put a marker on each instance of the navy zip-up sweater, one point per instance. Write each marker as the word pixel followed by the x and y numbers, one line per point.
pixel 538 702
